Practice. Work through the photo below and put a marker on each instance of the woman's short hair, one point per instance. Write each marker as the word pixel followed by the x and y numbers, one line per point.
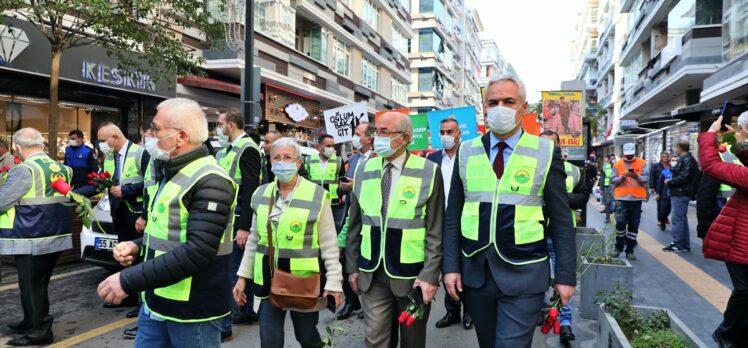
pixel 285 142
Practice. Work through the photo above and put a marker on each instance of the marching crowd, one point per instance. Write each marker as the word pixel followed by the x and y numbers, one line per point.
pixel 202 235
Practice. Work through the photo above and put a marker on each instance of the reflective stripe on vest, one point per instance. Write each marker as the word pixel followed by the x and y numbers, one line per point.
pixel 229 160
pixel 725 191
pixel 398 239
pixel 40 213
pixel 327 179
pixel 167 228
pixel 572 179
pixel 629 186
pixel 295 234
pixel 608 170
pixel 521 186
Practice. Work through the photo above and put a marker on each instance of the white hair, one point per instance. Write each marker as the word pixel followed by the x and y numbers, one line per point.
pixel 185 114
pixel 743 121
pixel 285 142
pixel 509 78
pixel 28 137
pixel 405 125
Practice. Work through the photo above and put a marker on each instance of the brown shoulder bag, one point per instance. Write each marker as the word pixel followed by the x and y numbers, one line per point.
pixel 288 290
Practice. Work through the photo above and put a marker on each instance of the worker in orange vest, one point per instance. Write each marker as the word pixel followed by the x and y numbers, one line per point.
pixel 629 179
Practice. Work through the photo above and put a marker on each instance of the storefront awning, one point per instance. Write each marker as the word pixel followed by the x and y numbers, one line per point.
pixel 209 83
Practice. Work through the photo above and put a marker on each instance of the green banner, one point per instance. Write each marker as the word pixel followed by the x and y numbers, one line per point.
pixel 420 132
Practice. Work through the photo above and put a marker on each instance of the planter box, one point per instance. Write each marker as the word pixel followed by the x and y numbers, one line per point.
pixel 589 239
pixel 610 335
pixel 602 277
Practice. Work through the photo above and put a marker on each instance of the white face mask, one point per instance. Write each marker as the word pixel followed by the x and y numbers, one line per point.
pixel 222 137
pixel 72 142
pixel 149 143
pixel 356 142
pixel 383 146
pixel 161 154
pixel 673 163
pixel 448 141
pixel 329 152
pixel 104 147
pixel 501 119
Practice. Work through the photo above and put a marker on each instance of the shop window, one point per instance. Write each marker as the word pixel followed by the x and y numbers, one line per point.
pixel 311 39
pixel 341 56
pixel 20 112
pixel 369 75
pixel 371 14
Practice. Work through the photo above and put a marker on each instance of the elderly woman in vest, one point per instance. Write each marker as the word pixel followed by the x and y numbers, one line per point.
pixel 304 240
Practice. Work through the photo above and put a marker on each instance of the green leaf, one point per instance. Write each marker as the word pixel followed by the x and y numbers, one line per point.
pixel 329 330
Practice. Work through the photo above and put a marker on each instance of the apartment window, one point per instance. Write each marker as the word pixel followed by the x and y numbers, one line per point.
pixel 369 75
pixel 371 14
pixel 405 4
pixel 734 30
pixel 399 91
pixel 430 80
pixel 311 39
pixel 435 6
pixel 341 57
pixel 430 41
pixel 399 41
pixel 277 20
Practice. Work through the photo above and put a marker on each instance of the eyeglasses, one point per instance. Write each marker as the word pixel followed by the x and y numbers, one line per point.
pixel 155 129
pixel 385 132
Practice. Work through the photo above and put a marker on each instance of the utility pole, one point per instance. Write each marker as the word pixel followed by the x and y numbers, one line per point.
pixel 250 82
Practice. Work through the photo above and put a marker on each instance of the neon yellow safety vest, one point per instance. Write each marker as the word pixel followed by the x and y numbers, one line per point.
pixel 725 191
pixel 131 173
pixel 40 214
pixel 608 170
pixel 397 240
pixel 572 179
pixel 229 159
pixel 295 233
pixel 327 178
pixel 185 300
pixel 520 240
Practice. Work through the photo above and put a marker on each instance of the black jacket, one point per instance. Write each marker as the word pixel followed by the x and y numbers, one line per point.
pixel 685 177
pixel 250 165
pixel 706 203
pixel 205 228
pixel 655 171
pixel 581 193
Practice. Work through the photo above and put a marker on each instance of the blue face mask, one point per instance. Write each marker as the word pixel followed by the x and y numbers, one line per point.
pixel 383 146
pixel 284 171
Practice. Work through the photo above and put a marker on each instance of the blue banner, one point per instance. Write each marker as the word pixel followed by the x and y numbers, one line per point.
pixel 465 117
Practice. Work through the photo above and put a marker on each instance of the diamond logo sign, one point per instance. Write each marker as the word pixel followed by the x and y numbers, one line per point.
pixel 12 42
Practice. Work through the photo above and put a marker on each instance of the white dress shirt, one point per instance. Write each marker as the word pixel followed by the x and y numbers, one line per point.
pixel 447 166
pixel 122 153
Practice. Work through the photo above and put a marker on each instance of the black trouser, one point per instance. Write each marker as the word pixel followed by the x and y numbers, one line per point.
pixel 734 325
pixel 34 272
pixel 663 209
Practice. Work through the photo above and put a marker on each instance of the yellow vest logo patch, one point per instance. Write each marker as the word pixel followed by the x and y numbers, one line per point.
pixel 409 192
pixel 522 176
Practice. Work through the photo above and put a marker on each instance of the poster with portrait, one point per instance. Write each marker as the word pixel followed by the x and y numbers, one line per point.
pixel 562 113
pixel 341 122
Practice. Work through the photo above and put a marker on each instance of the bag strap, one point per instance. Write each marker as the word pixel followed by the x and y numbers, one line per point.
pixel 269 228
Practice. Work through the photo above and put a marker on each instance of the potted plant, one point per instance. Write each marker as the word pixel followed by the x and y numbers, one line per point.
pixel 590 241
pixel 621 324
pixel 600 272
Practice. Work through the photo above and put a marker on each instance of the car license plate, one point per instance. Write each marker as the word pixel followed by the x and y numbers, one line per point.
pixel 104 243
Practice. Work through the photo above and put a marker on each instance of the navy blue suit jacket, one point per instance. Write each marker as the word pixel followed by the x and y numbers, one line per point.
pixel 513 280
pixel 437 157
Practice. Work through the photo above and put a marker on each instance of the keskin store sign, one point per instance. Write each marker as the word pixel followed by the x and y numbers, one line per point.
pixel 23 48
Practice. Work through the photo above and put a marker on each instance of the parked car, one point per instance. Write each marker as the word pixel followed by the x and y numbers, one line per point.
pixel 97 245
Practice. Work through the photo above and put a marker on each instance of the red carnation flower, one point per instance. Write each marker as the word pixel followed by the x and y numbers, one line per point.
pixel 91 175
pixel 16 160
pixel 90 182
pixel 107 175
pixel 722 148
pixel 61 186
pixel 6 168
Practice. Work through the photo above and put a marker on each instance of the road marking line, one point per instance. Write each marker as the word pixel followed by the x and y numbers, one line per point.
pixel 705 285
pixel 54 277
pixel 93 333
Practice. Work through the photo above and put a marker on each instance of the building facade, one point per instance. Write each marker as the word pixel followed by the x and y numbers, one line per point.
pixel 444 55
pixel 323 54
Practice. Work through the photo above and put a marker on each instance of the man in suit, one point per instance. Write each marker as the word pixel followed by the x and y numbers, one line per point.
pixel 495 251
pixel 126 162
pixel 399 197
pixel 363 141
pixel 324 170
pixel 449 131
pixel 240 157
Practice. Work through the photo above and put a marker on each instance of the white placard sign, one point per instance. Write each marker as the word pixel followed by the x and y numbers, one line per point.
pixel 341 122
